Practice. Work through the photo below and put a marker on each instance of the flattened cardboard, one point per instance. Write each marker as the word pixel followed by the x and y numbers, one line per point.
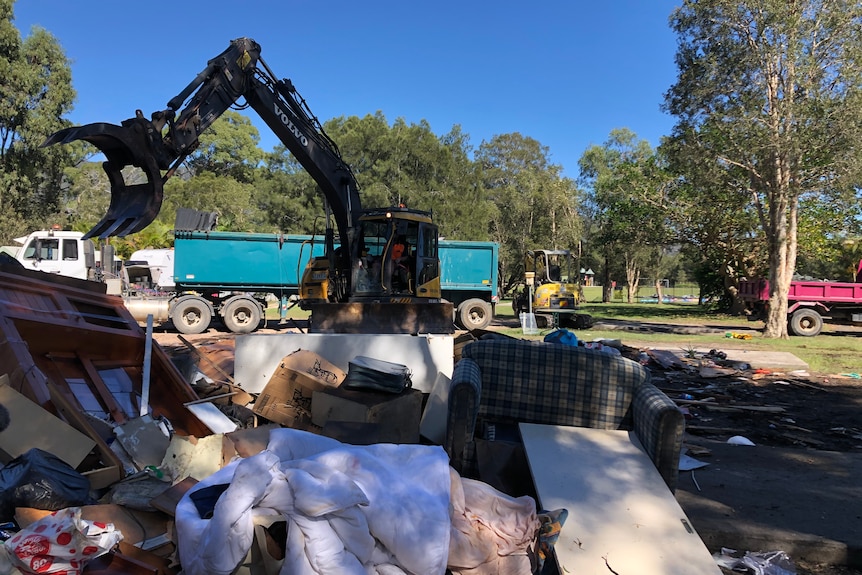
pixel 286 398
pixel 32 426
pixel 396 416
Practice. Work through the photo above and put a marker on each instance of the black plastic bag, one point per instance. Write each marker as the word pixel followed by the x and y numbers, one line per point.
pixel 41 480
pixel 371 374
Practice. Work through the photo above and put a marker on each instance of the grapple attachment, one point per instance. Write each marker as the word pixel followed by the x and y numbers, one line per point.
pixel 133 206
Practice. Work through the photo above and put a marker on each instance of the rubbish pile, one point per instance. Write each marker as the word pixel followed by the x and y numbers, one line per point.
pixel 107 444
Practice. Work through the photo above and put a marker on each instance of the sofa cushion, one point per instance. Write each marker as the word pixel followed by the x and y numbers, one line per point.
pixel 538 382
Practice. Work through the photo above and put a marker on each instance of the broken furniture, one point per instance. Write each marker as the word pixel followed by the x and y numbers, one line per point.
pixel 79 354
pixel 622 517
pixel 500 382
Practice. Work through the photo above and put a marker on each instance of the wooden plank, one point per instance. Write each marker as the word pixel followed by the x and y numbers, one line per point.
pixel 167 501
pixel 200 356
pixel 622 518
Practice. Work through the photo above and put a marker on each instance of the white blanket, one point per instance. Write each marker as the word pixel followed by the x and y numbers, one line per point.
pixel 381 509
pixel 377 509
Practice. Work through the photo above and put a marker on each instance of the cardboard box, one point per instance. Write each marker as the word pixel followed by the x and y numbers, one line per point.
pixel 397 416
pixel 287 397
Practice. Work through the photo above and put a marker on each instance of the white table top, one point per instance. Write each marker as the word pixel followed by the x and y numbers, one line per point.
pixel 622 516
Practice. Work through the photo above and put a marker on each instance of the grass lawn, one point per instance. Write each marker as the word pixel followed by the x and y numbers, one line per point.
pixel 834 351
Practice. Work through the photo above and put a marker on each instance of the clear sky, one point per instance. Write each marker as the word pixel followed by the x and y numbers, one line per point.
pixel 564 72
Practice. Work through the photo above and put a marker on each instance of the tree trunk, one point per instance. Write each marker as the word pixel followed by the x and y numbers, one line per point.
pixel 783 211
pixel 658 290
pixel 607 290
pixel 633 278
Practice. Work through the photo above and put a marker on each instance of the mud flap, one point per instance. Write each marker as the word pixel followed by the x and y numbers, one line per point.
pixel 361 317
pixel 133 207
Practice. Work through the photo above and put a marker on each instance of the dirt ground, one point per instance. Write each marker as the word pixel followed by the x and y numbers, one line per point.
pixel 804 410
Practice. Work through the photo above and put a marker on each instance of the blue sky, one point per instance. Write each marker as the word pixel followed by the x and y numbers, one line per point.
pixel 564 72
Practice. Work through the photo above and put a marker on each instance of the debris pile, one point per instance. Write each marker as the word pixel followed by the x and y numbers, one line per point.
pixel 721 398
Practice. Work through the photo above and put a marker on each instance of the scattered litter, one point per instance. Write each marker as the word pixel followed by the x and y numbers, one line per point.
pixel 735 335
pixel 799 373
pixel 852 375
pixel 740 440
pixel 688 463
pixel 760 563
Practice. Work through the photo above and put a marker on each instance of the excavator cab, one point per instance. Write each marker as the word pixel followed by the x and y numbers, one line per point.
pixel 396 260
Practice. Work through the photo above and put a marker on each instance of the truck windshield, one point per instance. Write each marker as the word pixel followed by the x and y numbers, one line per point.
pixel 43 249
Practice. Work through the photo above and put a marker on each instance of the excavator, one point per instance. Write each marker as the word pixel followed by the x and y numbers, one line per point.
pixel 357 286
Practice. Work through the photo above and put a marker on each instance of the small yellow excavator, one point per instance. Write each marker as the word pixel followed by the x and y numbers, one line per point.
pixel 551 290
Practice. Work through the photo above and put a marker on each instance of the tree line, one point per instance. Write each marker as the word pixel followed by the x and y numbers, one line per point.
pixel 759 176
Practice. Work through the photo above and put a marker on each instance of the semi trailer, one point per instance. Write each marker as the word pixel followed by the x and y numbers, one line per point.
pixel 231 278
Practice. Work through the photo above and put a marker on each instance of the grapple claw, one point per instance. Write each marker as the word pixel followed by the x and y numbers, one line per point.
pixel 135 143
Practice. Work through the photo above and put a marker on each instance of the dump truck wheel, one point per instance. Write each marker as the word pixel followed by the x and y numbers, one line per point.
pixel 191 315
pixel 475 314
pixel 242 315
pixel 806 322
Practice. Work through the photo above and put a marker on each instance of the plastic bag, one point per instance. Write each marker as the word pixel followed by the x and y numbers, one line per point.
pixel 61 543
pixel 41 480
pixel 371 374
pixel 562 336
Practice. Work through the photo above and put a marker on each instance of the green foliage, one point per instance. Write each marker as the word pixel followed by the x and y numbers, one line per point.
pixel 210 192
pixel 228 148
pixel 627 205
pixel 769 103
pixel 534 206
pixel 35 91
pixel 288 198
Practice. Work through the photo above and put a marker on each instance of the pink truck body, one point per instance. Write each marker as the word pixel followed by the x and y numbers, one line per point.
pixel 827 292
pixel 810 303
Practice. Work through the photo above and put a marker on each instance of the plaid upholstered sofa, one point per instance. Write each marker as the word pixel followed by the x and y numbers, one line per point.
pixel 507 381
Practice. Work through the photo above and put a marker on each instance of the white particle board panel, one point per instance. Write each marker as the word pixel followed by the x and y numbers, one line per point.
pixel 258 355
pixel 622 516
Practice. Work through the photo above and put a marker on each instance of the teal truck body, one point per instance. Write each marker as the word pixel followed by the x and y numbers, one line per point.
pixel 228 274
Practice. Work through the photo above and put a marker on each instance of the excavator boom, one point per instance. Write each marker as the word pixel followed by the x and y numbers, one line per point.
pixel 158 146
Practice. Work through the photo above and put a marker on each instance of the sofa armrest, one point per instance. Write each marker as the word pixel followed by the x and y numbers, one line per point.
pixel 464 395
pixel 659 425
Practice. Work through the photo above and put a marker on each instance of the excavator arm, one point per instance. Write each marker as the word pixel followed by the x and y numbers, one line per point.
pixel 159 145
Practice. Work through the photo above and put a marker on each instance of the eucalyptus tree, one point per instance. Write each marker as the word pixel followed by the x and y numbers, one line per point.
pixel 627 202
pixel 35 93
pixel 771 91
pixel 535 207
pixel 229 147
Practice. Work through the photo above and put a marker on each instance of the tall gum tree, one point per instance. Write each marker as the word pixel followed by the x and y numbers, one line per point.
pixel 35 92
pixel 772 89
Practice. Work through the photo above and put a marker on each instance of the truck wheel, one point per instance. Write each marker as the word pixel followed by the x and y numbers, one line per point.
pixel 475 314
pixel 191 315
pixel 242 315
pixel 806 322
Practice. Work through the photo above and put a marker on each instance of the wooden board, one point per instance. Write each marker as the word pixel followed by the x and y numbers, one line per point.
pixel 31 426
pixel 622 516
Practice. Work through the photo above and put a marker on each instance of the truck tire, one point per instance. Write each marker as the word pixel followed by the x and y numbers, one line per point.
pixel 805 322
pixel 191 315
pixel 475 314
pixel 242 315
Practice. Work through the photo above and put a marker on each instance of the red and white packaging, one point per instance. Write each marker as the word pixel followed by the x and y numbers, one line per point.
pixel 61 543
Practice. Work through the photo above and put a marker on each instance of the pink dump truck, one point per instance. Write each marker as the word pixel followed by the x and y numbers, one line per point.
pixel 810 303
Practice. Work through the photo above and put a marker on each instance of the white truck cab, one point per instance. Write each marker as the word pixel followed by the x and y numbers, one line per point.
pixel 58 252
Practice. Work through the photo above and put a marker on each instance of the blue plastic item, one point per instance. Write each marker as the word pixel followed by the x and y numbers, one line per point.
pixel 562 336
